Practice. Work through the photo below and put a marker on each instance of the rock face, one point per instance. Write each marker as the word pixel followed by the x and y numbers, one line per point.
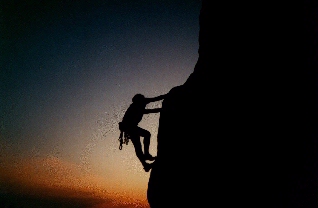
pixel 231 135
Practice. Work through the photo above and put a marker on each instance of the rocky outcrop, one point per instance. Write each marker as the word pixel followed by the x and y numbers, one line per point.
pixel 230 136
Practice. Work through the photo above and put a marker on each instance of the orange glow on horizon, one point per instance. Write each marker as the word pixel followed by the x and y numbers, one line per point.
pixel 52 177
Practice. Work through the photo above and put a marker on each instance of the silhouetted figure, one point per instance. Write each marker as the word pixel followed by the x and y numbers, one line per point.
pixel 130 130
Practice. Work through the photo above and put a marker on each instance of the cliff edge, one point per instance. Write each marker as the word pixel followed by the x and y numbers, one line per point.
pixel 235 134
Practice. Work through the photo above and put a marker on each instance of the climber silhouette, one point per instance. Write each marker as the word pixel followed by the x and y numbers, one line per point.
pixel 130 130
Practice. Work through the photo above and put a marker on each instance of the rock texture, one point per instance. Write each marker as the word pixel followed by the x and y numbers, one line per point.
pixel 235 134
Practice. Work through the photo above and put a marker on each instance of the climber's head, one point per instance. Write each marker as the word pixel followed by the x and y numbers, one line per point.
pixel 138 98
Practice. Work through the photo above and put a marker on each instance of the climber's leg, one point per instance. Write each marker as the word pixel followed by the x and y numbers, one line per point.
pixel 146 135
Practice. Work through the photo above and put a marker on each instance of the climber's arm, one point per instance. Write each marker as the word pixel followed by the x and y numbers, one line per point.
pixel 154 110
pixel 154 99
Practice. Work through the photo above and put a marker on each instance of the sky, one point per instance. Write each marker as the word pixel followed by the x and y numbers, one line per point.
pixel 69 70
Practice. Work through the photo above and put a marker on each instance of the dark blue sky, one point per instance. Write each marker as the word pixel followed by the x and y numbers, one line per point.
pixel 70 68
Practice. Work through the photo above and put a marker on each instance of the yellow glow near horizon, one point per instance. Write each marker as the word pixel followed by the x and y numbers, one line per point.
pixel 62 178
pixel 98 170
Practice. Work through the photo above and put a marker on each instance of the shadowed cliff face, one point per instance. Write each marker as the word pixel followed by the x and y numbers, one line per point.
pixel 234 134
pixel 181 139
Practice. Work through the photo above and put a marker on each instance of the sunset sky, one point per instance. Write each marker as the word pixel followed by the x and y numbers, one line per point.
pixel 68 72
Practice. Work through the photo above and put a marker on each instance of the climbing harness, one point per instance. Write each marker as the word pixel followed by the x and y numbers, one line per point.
pixel 123 137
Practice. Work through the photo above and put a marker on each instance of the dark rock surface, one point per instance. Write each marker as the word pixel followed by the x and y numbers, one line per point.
pixel 241 131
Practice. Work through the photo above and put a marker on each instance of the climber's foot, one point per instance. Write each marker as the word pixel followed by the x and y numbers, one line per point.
pixel 147 167
pixel 149 157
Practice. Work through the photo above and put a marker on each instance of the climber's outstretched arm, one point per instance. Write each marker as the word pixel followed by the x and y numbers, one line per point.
pixel 155 110
pixel 154 99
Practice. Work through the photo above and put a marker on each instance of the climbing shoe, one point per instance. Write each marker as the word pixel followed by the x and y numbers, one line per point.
pixel 149 157
pixel 147 167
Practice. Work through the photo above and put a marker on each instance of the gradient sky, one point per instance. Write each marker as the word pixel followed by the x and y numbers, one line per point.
pixel 68 72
